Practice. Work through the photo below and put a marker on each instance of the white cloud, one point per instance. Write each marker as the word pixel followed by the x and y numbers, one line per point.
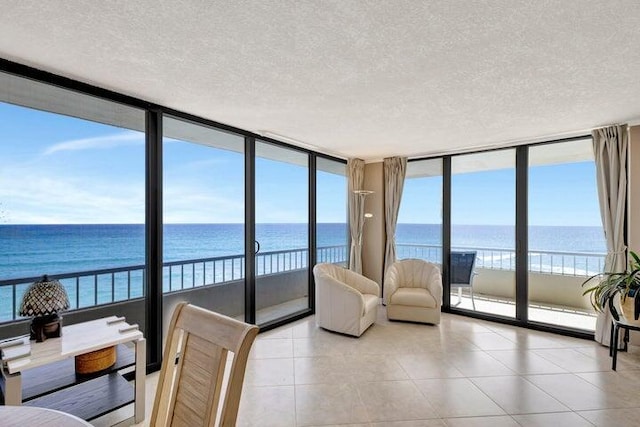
pixel 193 204
pixel 99 142
pixel 44 200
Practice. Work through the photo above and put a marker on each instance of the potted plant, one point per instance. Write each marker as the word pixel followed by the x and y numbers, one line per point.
pixel 603 287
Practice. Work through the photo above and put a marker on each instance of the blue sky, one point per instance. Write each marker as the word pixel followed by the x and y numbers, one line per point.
pixel 563 194
pixel 56 169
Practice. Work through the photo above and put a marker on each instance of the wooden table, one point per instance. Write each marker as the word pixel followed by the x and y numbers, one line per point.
pixel 21 416
pixel 76 339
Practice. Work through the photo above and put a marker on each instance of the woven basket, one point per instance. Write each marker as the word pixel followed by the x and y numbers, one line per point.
pixel 96 361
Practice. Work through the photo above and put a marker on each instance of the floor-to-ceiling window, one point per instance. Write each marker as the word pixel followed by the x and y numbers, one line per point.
pixel 81 183
pixel 281 231
pixel 419 229
pixel 72 199
pixel 203 218
pixel 566 239
pixel 332 234
pixel 483 232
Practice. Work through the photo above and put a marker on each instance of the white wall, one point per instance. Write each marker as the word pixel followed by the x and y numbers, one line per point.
pixel 373 238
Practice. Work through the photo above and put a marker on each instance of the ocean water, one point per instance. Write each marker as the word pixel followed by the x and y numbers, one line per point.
pixel 33 250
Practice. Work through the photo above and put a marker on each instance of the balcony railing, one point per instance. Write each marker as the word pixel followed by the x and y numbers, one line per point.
pixel 97 287
pixel 545 262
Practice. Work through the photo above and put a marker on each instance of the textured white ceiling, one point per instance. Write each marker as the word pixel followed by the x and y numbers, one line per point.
pixel 355 78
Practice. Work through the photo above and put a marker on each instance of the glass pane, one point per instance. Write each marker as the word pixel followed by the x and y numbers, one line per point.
pixel 419 229
pixel 72 200
pixel 483 232
pixel 282 232
pixel 566 239
pixel 203 210
pixel 332 234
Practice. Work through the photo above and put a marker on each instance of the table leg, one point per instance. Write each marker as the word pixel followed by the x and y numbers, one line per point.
pixel 13 389
pixel 141 373
pixel 611 342
pixel 615 346
pixel 626 339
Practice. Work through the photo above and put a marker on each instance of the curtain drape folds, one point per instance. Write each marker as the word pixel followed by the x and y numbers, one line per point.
pixel 610 147
pixel 395 169
pixel 355 173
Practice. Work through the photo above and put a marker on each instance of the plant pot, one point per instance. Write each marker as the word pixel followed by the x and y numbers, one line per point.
pixel 628 306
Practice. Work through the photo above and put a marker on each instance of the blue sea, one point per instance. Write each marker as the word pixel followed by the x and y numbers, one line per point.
pixel 33 250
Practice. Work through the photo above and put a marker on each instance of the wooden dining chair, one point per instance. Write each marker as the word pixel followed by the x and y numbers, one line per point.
pixel 191 389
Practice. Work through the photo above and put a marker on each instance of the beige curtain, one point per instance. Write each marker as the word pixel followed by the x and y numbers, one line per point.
pixel 610 147
pixel 355 172
pixel 395 169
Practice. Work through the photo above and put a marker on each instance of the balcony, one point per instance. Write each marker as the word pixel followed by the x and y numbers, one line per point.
pixel 555 294
pixel 218 284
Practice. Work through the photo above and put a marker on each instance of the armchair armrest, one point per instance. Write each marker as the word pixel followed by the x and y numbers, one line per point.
pixel 434 284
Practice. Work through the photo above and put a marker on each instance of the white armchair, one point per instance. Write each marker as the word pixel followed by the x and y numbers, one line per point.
pixel 346 302
pixel 413 291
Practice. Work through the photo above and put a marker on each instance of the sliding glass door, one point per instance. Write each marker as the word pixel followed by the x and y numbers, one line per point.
pixel 566 239
pixel 203 215
pixel 482 258
pixel 281 232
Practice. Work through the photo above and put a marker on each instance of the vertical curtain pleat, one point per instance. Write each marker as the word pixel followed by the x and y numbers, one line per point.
pixel 395 169
pixel 355 171
pixel 610 147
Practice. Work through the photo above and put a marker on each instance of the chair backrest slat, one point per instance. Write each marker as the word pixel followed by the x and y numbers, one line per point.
pixel 191 390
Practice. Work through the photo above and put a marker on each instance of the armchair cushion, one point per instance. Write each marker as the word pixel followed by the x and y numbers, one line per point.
pixel 414 296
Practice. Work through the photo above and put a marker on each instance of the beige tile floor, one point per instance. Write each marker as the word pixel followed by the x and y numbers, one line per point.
pixel 463 372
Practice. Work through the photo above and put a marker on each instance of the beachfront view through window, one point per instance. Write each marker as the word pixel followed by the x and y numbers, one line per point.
pixel 483 206
pixel 565 237
pixel 419 229
pixel 72 196
pixel 331 212
pixel 203 218
pixel 282 231
pixel 72 204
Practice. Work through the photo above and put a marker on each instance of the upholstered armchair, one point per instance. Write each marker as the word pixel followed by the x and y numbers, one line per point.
pixel 413 291
pixel 346 302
